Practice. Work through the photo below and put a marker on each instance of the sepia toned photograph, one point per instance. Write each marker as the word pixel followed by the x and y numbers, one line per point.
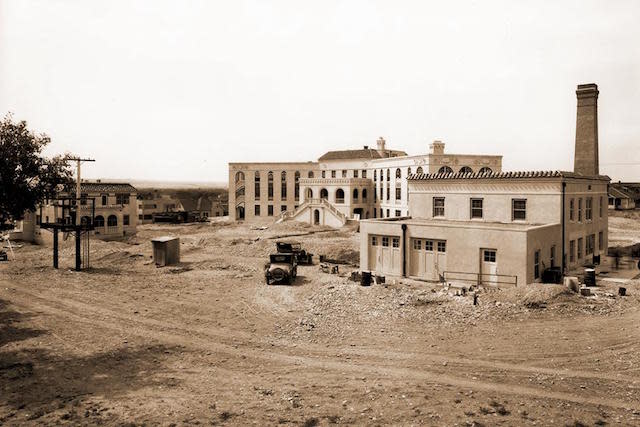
pixel 297 213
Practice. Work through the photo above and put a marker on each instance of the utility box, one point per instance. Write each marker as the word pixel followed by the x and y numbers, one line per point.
pixel 166 250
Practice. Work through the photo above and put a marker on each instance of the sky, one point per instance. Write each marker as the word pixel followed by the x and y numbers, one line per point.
pixel 175 90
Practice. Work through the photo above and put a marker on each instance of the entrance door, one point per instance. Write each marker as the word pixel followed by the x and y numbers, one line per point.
pixel 374 242
pixel 316 217
pixel 417 258
pixel 488 267
pixel 430 260
pixel 441 259
pixel 240 212
pixel 385 255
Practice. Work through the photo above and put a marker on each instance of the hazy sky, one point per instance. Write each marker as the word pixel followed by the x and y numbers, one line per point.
pixel 174 90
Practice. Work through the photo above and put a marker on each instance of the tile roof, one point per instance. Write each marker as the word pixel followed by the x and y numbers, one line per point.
pixel 105 187
pixel 621 193
pixel 363 153
pixel 501 175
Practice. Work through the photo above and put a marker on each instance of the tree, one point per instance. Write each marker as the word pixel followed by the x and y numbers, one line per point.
pixel 26 177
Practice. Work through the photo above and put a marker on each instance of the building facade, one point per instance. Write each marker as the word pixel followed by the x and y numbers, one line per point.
pixel 342 185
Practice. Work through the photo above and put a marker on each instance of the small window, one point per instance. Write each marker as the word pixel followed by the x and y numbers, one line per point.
pixel 375 175
pixel 105 199
pixel 417 244
pixel 388 213
pixel 344 173
pixel 374 240
pixel 283 208
pixel 398 213
pixel 398 193
pixel 125 219
pixel 355 173
pixel 489 256
pixel 442 246
pixel 324 174
pixel 438 206
pixel 364 173
pixel 310 174
pixel 428 245
pixel 270 210
pixel 519 209
pixel 536 265
pixel 476 208
pixel 256 210
pixel 333 174
pixel 395 242
pixel 385 241
pixel 398 173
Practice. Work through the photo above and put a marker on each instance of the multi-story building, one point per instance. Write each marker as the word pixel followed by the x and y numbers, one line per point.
pixel 113 206
pixel 341 185
pixel 498 227
pixel 155 202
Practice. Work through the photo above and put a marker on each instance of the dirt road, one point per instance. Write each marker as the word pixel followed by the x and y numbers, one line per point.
pixel 208 342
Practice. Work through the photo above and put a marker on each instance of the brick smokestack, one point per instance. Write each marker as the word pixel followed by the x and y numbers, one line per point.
pixel 586 154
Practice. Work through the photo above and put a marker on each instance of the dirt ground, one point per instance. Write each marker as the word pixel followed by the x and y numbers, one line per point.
pixel 208 342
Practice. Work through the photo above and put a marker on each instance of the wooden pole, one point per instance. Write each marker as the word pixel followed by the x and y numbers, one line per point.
pixel 55 248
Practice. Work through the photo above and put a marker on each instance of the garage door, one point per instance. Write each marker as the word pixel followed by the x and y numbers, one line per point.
pixel 385 255
pixel 428 258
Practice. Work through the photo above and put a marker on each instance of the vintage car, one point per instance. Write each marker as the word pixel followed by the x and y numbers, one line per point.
pixel 281 268
pixel 302 257
pixel 3 256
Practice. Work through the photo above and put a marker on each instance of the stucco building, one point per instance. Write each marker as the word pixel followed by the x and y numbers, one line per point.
pixel 498 227
pixel 342 185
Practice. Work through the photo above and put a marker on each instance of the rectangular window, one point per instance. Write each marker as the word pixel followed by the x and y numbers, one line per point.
pixel 105 199
pixel 442 246
pixel 580 210
pixel 324 174
pixel 428 245
pixel 256 191
pixel 572 251
pixel 536 265
pixel 37 219
pixel 283 190
pixel 476 208
pixel 417 244
pixel 355 173
pixel 519 209
pixel 601 240
pixel 600 207
pixel 83 198
pixel 125 219
pixel 388 213
pixel 580 248
pixel 283 208
pixel 438 206
pixel 398 213
pixel 364 173
pixel 270 210
pixel 333 174
pixel 122 199
pixel 572 206
pixel 588 209
pixel 256 210
pixel 388 191
pixel 374 240
pixel 140 217
pixel 489 256
pixel 398 193
pixel 395 242
pixel 385 241
pixel 344 173
pixel 552 256
pixel 590 244
pixel 381 192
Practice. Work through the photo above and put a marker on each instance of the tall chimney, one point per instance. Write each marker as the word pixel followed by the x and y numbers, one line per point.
pixel 586 154
pixel 381 144
pixel 436 147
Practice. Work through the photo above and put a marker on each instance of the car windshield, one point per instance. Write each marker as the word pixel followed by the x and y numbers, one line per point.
pixel 281 258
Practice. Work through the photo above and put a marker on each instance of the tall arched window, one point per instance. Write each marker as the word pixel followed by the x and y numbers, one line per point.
pixel 256 186
pixel 310 174
pixel 309 194
pixel 112 221
pixel 270 185
pixel 388 175
pixel 324 194
pixel 364 194
pixel 355 194
pixel 239 176
pixel 398 173
pixel 419 170
pixel 445 170
pixel 283 186
pixel 485 170
pixel 408 171
pixel 99 221
pixel 339 195
pixel 466 169
pixel 296 191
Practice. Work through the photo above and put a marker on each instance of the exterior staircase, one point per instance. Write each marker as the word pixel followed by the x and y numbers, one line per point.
pixel 310 204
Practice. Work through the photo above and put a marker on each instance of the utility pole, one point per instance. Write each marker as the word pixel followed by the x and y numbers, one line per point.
pixel 78 201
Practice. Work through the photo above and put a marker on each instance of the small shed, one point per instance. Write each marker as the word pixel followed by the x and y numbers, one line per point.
pixel 166 250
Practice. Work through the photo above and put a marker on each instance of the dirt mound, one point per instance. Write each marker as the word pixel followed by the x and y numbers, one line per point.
pixel 538 295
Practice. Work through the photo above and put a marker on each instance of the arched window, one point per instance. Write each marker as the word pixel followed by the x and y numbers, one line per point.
pixel 375 175
pixel 324 194
pixel 419 170
pixel 324 174
pixel 408 171
pixel 296 190
pixel 270 185
pixel 99 221
pixel 466 169
pixel 339 195
pixel 445 170
pixel 239 176
pixel 364 194
pixel 309 193
pixel 283 185
pixel 310 174
pixel 112 221
pixel 85 220
pixel 485 170
pixel 256 188
pixel 355 194
pixel 398 173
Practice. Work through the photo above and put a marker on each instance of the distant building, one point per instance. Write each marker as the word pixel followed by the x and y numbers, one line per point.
pixel 498 228
pixel 624 196
pixel 155 202
pixel 115 213
pixel 342 185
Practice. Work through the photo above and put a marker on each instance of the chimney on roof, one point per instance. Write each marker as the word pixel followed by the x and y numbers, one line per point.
pixel 436 147
pixel 366 147
pixel 586 154
pixel 381 142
